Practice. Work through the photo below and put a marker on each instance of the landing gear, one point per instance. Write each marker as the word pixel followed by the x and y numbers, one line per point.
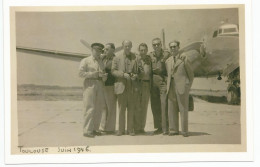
pixel 233 90
pixel 219 76
pixel 233 94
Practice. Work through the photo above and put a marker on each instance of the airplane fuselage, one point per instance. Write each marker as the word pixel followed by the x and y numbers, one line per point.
pixel 221 52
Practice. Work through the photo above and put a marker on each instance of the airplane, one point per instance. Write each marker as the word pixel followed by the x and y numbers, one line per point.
pixel 217 54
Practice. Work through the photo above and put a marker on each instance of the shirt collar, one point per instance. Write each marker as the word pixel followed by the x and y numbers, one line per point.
pixel 128 56
pixel 95 59
pixel 110 57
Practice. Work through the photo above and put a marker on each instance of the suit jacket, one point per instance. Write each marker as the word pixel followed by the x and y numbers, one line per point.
pixel 121 65
pixel 182 72
pixel 159 76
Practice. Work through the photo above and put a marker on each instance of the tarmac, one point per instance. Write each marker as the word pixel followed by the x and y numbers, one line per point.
pixel 59 123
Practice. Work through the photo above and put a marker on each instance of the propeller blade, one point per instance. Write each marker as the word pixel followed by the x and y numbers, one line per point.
pixel 163 40
pixel 85 44
pixel 118 49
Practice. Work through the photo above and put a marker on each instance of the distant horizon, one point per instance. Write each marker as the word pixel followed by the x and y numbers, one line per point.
pixel 60 86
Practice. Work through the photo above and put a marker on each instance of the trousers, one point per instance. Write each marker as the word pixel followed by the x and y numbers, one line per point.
pixel 143 99
pixel 177 104
pixel 93 105
pixel 127 100
pixel 159 105
pixel 108 119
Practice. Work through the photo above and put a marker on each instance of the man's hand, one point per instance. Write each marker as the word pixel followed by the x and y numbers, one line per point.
pixel 126 76
pixel 103 76
pixel 95 74
pixel 182 57
pixel 133 76
pixel 156 71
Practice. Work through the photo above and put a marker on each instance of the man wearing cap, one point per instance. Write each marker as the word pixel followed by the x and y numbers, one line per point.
pixel 144 63
pixel 92 70
pixel 108 120
pixel 158 90
pixel 179 81
pixel 124 68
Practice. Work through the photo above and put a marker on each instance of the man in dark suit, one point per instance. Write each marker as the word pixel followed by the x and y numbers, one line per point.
pixel 108 121
pixel 144 63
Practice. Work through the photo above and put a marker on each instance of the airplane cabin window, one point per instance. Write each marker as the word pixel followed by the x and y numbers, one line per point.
pixel 230 30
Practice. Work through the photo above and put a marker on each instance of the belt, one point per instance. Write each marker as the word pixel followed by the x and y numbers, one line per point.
pixel 99 79
pixel 145 80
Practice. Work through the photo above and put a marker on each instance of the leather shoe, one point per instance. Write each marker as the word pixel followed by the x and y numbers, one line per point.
pixel 158 131
pixel 140 132
pixel 132 133
pixel 173 133
pixel 165 133
pixel 89 135
pixel 98 133
pixel 119 133
pixel 185 135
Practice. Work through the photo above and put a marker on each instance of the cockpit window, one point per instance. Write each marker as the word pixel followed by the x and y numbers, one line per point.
pixel 227 30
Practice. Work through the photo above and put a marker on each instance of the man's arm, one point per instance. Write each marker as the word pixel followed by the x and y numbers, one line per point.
pixel 188 69
pixel 83 73
pixel 115 67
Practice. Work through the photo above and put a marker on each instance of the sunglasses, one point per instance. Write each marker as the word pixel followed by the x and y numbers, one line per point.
pixel 175 46
pixel 98 49
pixel 156 44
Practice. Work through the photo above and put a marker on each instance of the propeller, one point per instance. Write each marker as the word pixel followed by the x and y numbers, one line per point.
pixel 118 49
pixel 85 44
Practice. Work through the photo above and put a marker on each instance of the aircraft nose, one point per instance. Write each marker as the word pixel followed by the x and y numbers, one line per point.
pixel 224 43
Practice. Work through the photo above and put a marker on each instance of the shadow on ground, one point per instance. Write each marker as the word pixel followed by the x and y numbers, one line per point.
pixel 198 133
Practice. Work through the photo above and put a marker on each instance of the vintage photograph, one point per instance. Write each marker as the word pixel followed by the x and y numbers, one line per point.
pixel 159 76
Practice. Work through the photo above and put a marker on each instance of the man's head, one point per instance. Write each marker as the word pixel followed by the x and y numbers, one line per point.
pixel 143 49
pixel 174 46
pixel 127 45
pixel 157 44
pixel 97 49
pixel 109 49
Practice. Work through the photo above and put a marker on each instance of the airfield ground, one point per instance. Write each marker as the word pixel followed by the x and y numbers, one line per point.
pixel 59 123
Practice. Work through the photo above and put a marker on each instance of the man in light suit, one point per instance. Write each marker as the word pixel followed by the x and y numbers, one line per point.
pixel 124 68
pixel 179 81
pixel 92 70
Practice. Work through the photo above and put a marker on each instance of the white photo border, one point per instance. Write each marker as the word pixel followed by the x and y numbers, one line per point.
pixel 147 157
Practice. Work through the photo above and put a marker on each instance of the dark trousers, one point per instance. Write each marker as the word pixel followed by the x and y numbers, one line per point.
pixel 159 105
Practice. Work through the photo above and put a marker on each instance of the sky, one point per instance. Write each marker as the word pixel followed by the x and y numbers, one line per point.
pixel 62 31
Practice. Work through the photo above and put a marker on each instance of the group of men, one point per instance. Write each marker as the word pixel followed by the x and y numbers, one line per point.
pixel 130 79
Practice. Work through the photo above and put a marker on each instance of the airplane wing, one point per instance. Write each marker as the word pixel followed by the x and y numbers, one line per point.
pixel 85 43
pixel 52 53
pixel 230 68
